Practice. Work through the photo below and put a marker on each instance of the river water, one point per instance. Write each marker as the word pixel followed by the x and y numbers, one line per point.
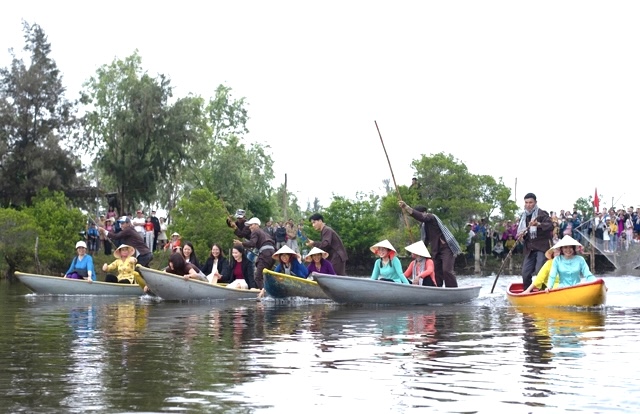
pixel 119 355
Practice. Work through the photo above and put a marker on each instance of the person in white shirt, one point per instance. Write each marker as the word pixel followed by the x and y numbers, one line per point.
pixel 138 223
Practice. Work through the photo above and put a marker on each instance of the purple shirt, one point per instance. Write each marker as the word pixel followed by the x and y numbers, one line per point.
pixel 325 267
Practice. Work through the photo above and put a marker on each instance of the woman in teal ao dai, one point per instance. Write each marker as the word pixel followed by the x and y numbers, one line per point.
pixel 568 267
pixel 388 266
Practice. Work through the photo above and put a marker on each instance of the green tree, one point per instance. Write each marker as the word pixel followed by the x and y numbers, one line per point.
pixel 59 225
pixel 138 138
pixel 18 233
pixel 35 118
pixel 201 219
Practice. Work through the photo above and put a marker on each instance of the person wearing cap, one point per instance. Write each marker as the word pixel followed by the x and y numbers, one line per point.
pixel 443 245
pixel 259 239
pixel 331 243
pixel 240 227
pixel 536 231
pixel 317 259
pixel 388 266
pixel 289 263
pixel 125 264
pixel 421 269
pixel 569 266
pixel 82 265
pixel 130 237
pixel 542 278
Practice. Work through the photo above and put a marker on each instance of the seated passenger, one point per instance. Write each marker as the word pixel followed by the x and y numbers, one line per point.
pixel 216 264
pixel 240 272
pixel 388 266
pixel 421 269
pixel 568 267
pixel 317 259
pixel 289 263
pixel 542 278
pixel 179 267
pixel 82 265
pixel 125 264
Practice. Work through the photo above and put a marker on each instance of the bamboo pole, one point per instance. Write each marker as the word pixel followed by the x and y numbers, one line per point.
pixel 404 215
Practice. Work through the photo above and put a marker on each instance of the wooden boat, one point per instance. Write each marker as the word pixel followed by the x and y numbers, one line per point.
pixel 55 285
pixel 348 289
pixel 584 294
pixel 172 287
pixel 279 285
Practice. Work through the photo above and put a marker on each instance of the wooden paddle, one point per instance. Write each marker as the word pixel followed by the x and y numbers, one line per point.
pixel 508 257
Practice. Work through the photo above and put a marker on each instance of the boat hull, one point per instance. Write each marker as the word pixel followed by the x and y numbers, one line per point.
pixel 54 285
pixel 177 288
pixel 280 286
pixel 585 294
pixel 348 289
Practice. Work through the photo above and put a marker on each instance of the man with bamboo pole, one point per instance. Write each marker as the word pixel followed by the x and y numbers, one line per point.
pixel 443 246
pixel 536 230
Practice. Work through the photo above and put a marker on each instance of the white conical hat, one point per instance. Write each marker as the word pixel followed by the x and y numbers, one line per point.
pixel 384 243
pixel 566 241
pixel 315 250
pixel 285 250
pixel 418 248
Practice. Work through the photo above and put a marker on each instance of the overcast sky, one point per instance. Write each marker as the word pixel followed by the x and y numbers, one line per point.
pixel 544 93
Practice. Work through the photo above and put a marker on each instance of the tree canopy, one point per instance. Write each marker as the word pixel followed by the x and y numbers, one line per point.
pixel 35 118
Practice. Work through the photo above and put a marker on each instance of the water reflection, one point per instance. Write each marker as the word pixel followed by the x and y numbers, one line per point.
pixel 559 333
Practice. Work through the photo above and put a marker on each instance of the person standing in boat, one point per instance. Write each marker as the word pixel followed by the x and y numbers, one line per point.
pixel 130 237
pixel 317 259
pixel 289 263
pixel 331 243
pixel 421 269
pixel 444 247
pixel 82 265
pixel 569 266
pixel 536 230
pixel 240 226
pixel 388 266
pixel 259 239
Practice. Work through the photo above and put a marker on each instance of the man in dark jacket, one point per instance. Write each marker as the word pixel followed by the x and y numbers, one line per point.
pixel 442 245
pixel 239 227
pixel 536 231
pixel 259 239
pixel 331 243
pixel 156 229
pixel 129 236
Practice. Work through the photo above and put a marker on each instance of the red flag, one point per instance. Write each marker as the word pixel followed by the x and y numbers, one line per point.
pixel 596 201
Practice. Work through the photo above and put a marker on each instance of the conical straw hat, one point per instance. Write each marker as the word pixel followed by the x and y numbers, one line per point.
pixel 384 243
pixel 418 248
pixel 285 250
pixel 566 241
pixel 315 250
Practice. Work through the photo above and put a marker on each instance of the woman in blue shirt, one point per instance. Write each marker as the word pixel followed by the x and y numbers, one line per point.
pixel 388 266
pixel 289 262
pixel 568 267
pixel 82 265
